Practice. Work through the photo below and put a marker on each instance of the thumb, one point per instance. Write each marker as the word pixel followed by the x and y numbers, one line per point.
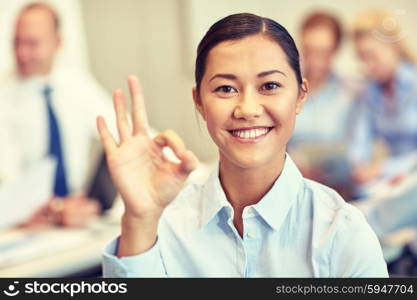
pixel 188 163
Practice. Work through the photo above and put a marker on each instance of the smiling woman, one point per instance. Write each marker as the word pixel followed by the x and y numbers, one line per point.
pixel 256 216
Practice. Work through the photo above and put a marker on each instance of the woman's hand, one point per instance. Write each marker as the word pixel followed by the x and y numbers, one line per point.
pixel 146 180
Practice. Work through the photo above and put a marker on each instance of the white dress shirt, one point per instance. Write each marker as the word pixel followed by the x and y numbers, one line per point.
pixel 9 151
pixel 76 99
pixel 300 228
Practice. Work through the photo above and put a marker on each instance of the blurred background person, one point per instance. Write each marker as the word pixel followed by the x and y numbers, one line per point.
pixel 386 113
pixel 319 140
pixel 393 214
pixel 51 112
pixel 384 136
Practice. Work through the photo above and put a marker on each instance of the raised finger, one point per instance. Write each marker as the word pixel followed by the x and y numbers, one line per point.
pixel 123 126
pixel 107 140
pixel 139 116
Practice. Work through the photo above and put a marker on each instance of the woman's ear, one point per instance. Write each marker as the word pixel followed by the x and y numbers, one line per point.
pixel 198 103
pixel 302 96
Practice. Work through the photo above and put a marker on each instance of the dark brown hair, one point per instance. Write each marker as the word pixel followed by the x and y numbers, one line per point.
pixel 238 26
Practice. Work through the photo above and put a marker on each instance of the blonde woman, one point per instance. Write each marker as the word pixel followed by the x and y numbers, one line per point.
pixel 387 106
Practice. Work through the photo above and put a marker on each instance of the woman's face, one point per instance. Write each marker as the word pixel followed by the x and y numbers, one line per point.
pixel 249 97
pixel 379 58
pixel 318 47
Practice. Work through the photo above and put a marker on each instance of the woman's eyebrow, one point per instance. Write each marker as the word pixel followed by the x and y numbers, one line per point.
pixel 233 77
pixel 226 76
pixel 266 73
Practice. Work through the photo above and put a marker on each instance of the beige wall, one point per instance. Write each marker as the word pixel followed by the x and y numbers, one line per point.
pixel 156 40
pixel 144 38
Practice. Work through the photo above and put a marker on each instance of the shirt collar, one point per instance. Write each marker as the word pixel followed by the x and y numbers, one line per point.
pixel 54 77
pixel 404 76
pixel 273 207
pixel 214 198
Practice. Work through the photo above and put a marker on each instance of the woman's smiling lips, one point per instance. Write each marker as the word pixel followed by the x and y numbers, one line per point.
pixel 250 134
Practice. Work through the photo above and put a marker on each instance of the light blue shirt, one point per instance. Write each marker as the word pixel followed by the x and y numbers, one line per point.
pixel 392 120
pixel 322 128
pixel 325 115
pixel 299 229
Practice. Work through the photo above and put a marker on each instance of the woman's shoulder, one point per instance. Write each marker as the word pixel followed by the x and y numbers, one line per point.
pixel 407 75
pixel 342 237
pixel 329 207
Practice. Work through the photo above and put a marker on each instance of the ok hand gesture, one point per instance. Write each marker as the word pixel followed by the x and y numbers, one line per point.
pixel 146 180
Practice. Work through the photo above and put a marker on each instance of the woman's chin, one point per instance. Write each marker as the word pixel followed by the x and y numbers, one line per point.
pixel 248 161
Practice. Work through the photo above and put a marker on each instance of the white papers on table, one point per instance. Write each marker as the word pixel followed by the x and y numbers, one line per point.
pixel 21 198
pixel 17 246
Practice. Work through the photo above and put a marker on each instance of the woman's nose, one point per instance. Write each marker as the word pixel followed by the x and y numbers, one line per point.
pixel 248 107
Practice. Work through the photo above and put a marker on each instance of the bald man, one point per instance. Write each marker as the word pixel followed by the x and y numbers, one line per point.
pixel 37 40
pixel 53 114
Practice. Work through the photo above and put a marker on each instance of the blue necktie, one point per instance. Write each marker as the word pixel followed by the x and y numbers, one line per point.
pixel 55 147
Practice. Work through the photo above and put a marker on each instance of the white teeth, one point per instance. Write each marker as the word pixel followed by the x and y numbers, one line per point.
pixel 250 133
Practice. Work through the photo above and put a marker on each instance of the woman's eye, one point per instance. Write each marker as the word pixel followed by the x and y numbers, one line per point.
pixel 270 86
pixel 227 89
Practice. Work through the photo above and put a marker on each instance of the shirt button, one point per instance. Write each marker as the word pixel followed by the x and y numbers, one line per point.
pixel 249 212
pixel 249 235
pixel 118 271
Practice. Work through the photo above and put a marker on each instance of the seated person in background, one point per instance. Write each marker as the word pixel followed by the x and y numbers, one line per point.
pixel 320 134
pixel 387 105
pixel 392 211
pixel 51 112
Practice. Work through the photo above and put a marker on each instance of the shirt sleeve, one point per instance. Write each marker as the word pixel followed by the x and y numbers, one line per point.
pixel 10 157
pixel 356 251
pixel 147 264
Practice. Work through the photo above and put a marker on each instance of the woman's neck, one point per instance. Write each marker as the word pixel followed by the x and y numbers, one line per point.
pixel 247 186
pixel 388 85
pixel 388 88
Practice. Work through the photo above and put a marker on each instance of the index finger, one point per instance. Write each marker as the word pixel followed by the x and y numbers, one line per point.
pixel 139 116
pixel 107 140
